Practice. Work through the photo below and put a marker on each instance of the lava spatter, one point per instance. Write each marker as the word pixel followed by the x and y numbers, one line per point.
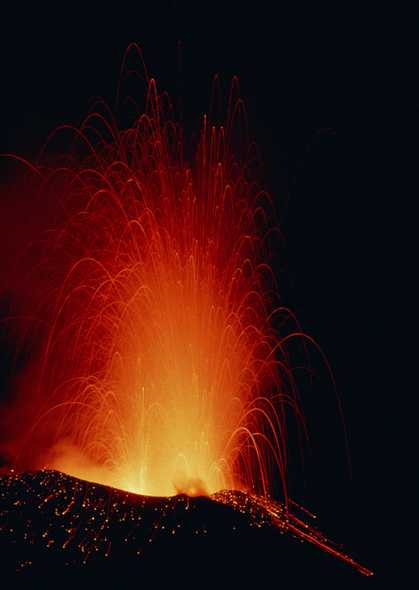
pixel 165 368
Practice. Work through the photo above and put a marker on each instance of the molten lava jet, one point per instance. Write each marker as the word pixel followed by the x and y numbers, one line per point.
pixel 165 366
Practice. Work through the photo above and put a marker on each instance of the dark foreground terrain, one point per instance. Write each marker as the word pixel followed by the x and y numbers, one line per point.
pixel 57 529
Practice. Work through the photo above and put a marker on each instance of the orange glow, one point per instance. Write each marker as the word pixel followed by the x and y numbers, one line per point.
pixel 161 371
pixel 165 363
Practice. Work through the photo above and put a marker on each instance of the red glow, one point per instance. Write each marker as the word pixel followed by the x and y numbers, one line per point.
pixel 161 370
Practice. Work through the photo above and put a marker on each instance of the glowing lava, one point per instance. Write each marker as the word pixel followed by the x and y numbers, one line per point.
pixel 161 370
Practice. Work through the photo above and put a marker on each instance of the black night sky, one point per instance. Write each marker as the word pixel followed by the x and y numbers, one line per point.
pixel 309 84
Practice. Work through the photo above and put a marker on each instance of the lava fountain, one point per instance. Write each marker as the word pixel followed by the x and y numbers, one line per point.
pixel 163 368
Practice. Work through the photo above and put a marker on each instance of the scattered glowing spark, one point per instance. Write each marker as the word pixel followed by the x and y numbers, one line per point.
pixel 79 521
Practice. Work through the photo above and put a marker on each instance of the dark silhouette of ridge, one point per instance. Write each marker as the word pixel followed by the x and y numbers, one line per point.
pixel 54 526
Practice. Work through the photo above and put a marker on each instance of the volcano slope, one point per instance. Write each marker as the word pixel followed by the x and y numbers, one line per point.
pixel 57 527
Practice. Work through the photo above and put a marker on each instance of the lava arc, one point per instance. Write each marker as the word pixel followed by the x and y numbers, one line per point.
pixel 161 369
pixel 165 367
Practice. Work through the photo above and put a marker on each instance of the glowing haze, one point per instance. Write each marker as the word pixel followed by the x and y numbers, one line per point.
pixel 161 371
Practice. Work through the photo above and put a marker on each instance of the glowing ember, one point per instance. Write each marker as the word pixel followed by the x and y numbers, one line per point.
pixel 58 519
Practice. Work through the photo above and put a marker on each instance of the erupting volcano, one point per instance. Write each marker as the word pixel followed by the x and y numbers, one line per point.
pixel 166 365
